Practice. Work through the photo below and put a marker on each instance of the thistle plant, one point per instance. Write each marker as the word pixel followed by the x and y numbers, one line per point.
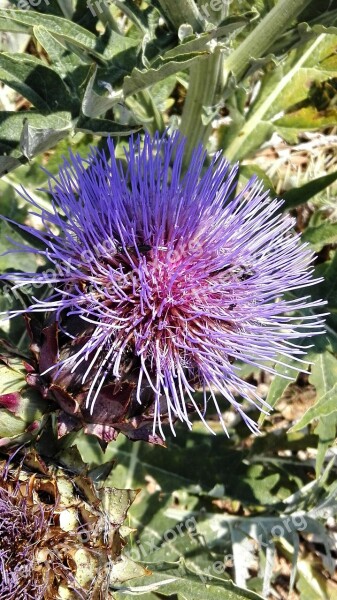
pixel 160 281
pixel 166 274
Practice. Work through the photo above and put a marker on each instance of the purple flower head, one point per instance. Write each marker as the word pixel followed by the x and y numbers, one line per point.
pixel 173 274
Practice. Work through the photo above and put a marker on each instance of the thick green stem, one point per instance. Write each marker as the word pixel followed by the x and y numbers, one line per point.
pixel 263 37
pixel 186 11
pixel 204 90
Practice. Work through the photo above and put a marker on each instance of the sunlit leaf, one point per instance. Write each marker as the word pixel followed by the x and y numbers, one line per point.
pixel 35 81
pixel 188 584
pixel 323 377
pixel 282 88
pixel 138 80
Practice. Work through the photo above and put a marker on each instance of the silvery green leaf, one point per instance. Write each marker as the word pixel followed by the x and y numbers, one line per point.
pixel 39 139
pixel 93 104
pixel 187 584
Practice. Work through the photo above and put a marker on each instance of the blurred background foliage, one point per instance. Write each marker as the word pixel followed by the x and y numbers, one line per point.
pixel 258 80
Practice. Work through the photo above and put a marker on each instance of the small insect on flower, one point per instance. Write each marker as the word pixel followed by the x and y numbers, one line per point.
pixel 141 249
pixel 163 281
pixel 244 272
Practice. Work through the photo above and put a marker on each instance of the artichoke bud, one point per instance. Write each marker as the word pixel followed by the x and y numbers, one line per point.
pixel 22 408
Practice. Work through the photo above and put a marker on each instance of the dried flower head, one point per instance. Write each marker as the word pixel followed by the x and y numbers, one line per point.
pixel 57 540
pixel 161 281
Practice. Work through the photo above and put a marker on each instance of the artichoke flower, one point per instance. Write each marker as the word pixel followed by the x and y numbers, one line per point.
pixel 160 283
pixel 60 535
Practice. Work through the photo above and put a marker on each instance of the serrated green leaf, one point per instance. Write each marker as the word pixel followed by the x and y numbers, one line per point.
pixel 139 80
pixel 317 28
pixel 188 584
pixel 68 31
pixel 63 61
pixel 198 43
pixel 24 21
pixel 304 119
pixel 324 378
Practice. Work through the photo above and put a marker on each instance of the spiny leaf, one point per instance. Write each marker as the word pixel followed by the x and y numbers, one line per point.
pixel 24 21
